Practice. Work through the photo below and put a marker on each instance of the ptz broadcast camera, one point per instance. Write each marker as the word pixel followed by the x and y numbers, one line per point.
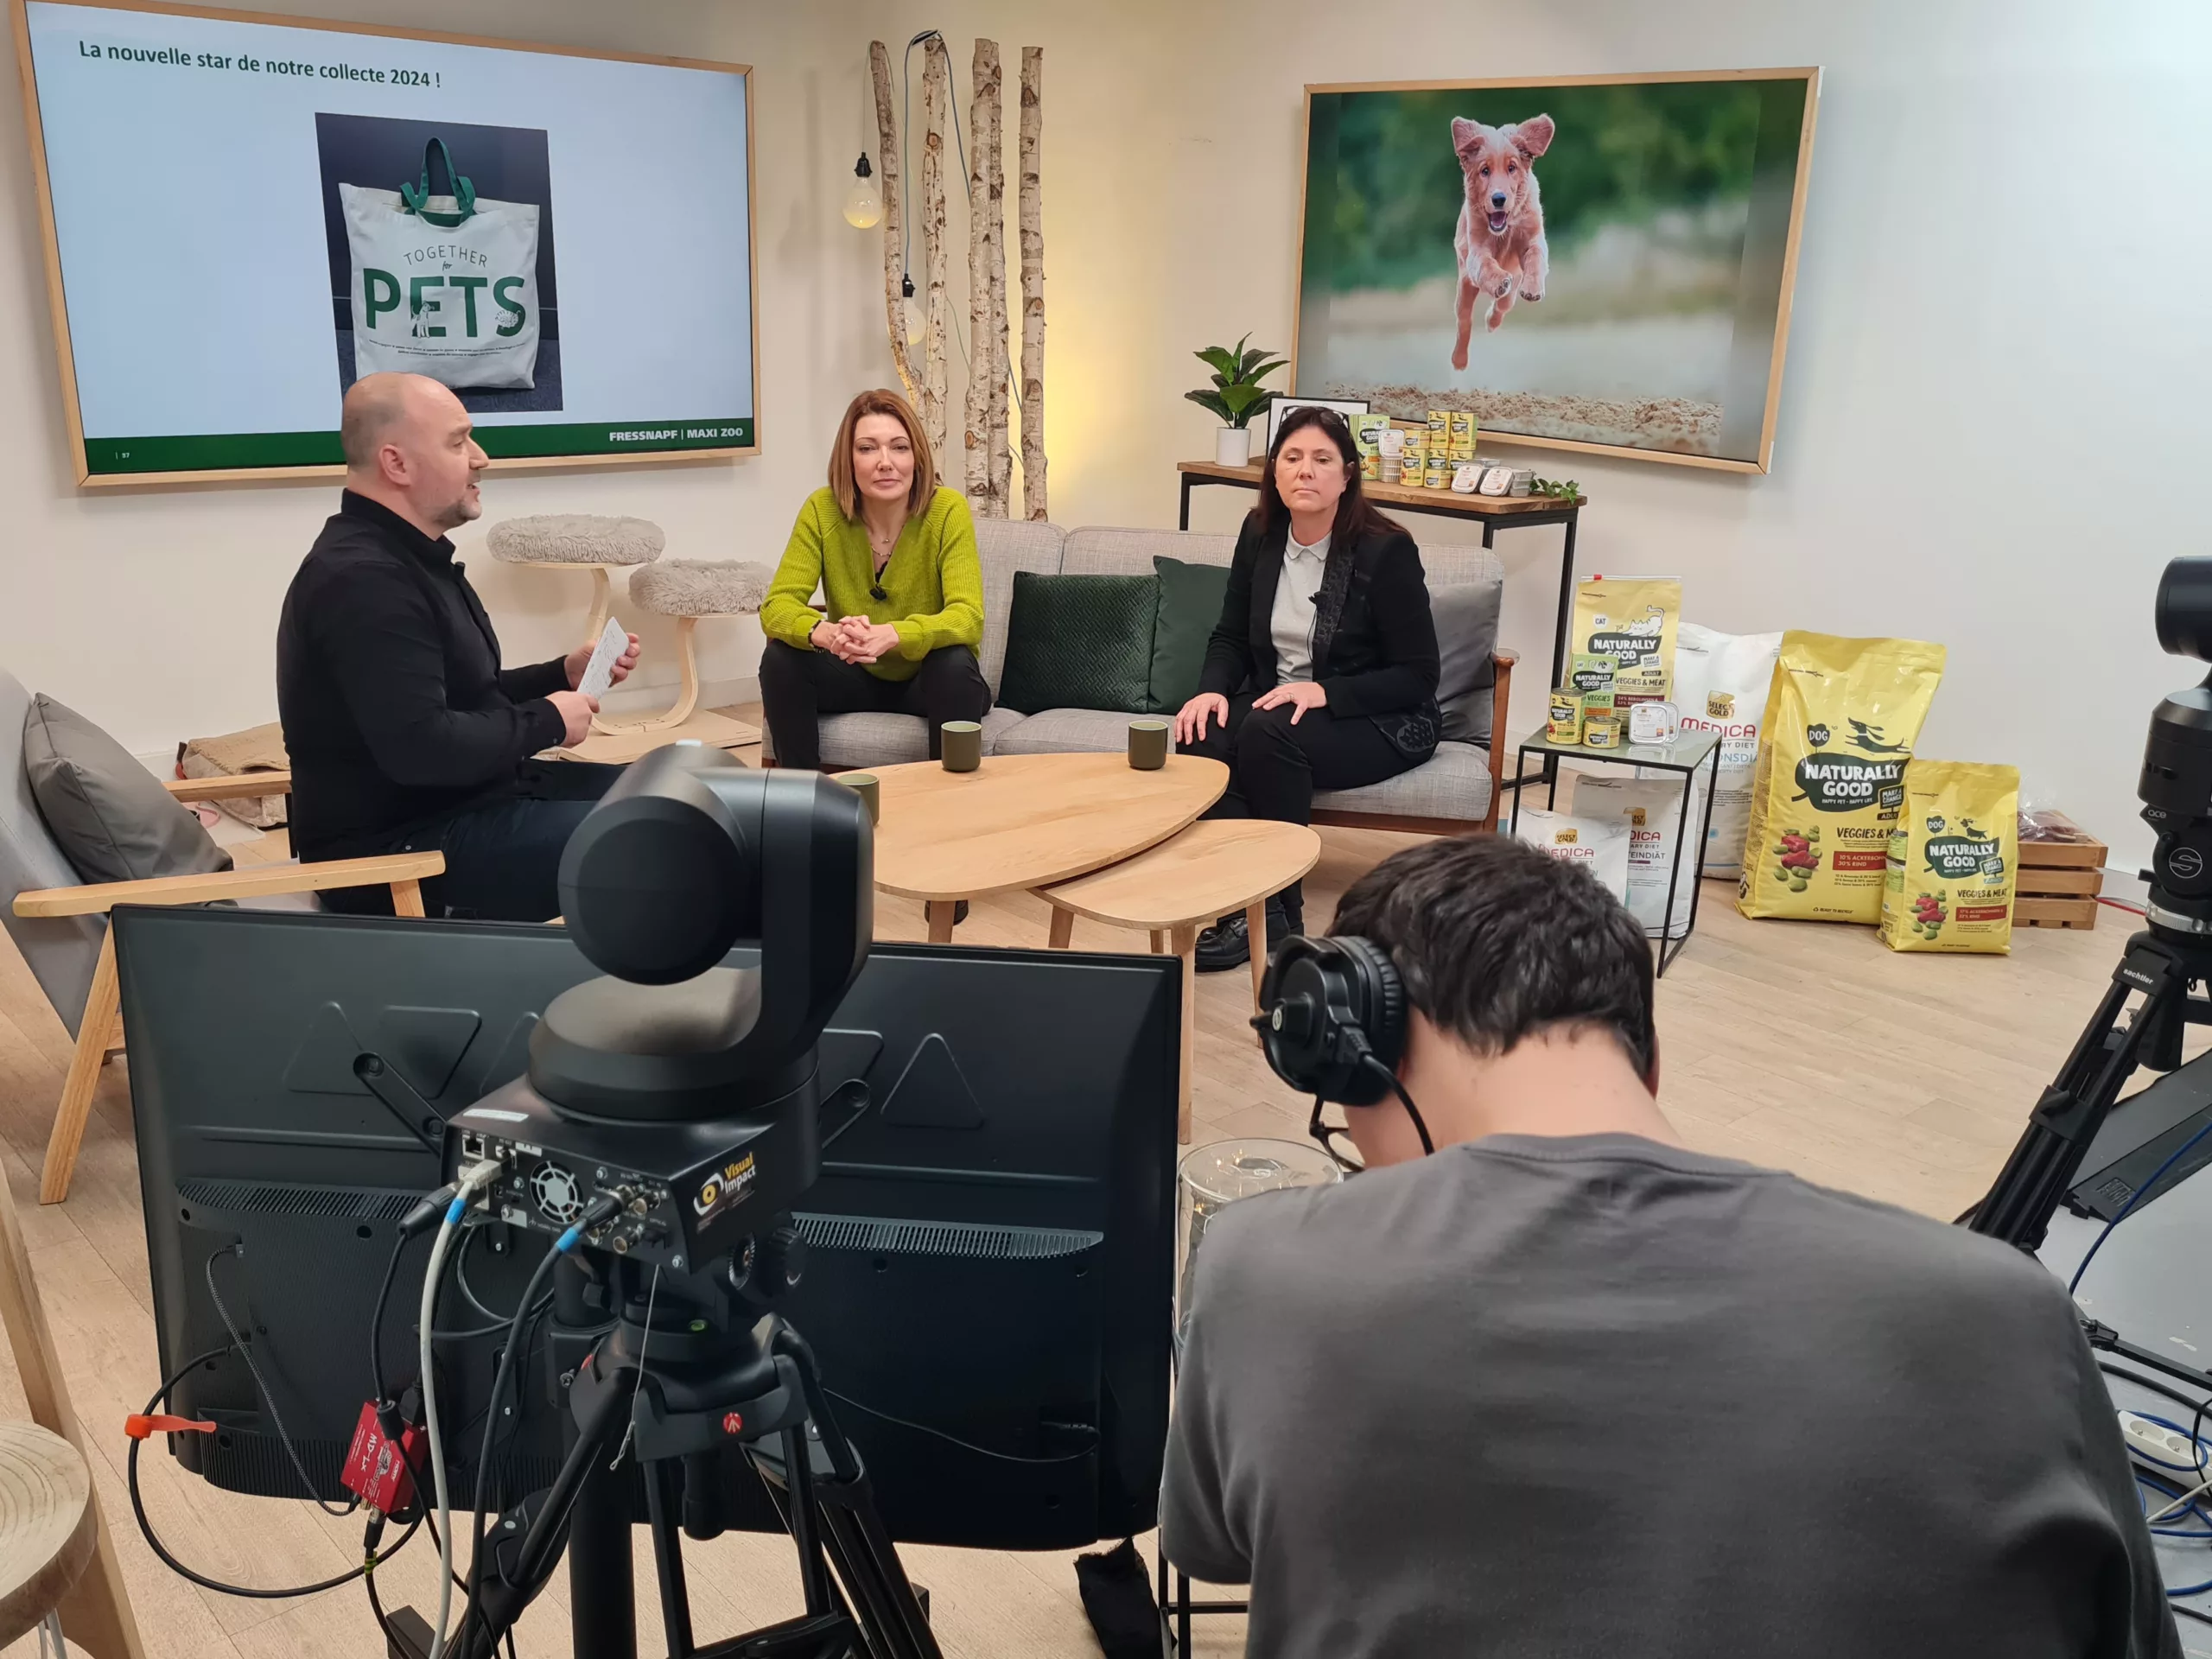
pixel 676 1093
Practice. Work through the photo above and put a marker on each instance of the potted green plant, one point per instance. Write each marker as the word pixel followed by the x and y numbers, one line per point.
pixel 1236 396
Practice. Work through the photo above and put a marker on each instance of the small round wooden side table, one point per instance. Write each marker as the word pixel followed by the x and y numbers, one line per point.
pixel 47 1528
pixel 1185 883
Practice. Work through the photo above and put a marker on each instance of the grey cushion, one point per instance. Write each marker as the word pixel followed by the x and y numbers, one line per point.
pixel 61 951
pixel 1466 642
pixel 1065 731
pixel 1453 784
pixel 575 539
pixel 889 740
pixel 700 588
pixel 113 821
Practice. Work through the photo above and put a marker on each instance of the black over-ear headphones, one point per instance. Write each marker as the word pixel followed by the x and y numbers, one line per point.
pixel 1332 1019
pixel 1332 1023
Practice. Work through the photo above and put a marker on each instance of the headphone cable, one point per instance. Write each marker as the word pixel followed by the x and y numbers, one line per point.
pixel 1420 1128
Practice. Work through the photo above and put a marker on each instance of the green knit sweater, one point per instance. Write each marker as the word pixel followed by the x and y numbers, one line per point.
pixel 933 579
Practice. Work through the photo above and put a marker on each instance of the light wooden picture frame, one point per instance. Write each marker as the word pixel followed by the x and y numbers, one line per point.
pixel 619 442
pixel 1634 239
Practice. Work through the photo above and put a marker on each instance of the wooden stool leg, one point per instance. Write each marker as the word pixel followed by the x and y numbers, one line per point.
pixel 939 911
pixel 1159 941
pixel 1062 928
pixel 1187 947
pixel 407 898
pixel 686 695
pixel 1256 925
pixel 600 603
pixel 94 1032
pixel 96 1612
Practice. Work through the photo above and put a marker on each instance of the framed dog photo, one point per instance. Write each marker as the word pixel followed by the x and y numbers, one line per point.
pixel 1279 407
pixel 1601 263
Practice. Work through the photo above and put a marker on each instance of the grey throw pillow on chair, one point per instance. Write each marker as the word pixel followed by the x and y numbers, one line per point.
pixel 1467 641
pixel 111 817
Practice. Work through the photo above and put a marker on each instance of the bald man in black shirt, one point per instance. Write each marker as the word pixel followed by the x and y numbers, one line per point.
pixel 404 732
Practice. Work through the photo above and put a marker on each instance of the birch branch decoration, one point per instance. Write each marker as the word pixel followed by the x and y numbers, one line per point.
pixel 937 73
pixel 983 358
pixel 1002 481
pixel 1033 285
pixel 886 166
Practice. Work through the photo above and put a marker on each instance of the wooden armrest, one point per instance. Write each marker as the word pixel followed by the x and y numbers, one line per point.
pixel 261 881
pixel 1504 659
pixel 247 786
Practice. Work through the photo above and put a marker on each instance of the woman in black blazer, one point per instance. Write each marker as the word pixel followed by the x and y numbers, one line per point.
pixel 1322 671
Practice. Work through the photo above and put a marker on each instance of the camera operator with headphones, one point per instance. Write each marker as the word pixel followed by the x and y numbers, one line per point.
pixel 1543 1380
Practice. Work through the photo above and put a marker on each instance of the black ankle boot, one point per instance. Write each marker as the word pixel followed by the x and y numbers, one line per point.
pixel 1228 943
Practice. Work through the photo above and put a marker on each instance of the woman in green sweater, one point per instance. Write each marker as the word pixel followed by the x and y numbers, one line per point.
pixel 893 557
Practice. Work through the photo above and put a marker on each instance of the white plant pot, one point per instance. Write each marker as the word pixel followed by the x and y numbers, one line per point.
pixel 1232 446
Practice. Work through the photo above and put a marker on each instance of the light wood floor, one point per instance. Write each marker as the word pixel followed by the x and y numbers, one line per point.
pixel 1806 1046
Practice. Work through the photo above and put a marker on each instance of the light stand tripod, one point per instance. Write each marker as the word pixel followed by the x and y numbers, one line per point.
pixel 680 1378
pixel 2162 964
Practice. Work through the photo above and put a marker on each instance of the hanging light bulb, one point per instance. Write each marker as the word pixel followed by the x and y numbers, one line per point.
pixel 863 205
pixel 913 308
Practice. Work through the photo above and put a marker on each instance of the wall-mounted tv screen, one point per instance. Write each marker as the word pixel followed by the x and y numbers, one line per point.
pixel 245 213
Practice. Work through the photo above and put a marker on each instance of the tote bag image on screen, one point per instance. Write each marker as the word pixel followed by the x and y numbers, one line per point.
pixel 444 286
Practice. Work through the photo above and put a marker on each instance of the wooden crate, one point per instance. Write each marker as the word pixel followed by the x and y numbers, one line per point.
pixel 2060 879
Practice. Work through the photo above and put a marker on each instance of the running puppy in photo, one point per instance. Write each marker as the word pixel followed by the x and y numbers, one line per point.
pixel 1500 241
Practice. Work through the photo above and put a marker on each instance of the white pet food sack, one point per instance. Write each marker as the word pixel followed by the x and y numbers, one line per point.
pixel 1599 845
pixel 445 286
pixel 1652 807
pixel 1720 686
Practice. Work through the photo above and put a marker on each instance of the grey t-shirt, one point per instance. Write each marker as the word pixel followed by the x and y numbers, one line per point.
pixel 1532 1397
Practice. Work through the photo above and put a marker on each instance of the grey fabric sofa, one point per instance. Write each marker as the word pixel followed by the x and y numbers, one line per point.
pixel 1456 789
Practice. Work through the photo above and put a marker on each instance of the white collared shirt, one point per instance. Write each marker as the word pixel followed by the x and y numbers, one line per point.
pixel 1291 623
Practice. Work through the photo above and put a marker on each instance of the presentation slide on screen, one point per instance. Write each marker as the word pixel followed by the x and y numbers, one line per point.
pixel 250 216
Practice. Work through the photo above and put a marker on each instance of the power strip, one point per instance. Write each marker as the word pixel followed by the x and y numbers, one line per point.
pixel 2156 1443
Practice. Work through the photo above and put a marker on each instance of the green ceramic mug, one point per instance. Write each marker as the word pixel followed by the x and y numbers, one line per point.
pixel 962 744
pixel 1149 744
pixel 864 784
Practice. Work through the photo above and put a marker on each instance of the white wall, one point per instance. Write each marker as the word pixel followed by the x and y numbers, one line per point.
pixel 2002 280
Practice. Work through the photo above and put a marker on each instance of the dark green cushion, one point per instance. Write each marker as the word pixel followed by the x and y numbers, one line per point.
pixel 1078 642
pixel 1189 606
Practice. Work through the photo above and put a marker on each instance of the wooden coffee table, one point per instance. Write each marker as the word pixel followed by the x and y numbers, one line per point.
pixel 1184 884
pixel 1025 821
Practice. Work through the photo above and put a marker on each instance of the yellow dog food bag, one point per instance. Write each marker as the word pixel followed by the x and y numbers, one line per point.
pixel 1632 620
pixel 1953 859
pixel 1841 718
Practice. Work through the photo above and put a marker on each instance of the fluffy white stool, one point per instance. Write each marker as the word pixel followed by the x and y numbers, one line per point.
pixel 578 541
pixel 688 590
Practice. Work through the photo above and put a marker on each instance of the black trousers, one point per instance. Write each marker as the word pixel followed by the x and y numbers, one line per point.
pixel 1275 766
pixel 503 859
pixel 799 687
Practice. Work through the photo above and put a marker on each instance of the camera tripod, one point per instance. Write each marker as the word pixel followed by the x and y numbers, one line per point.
pixel 2163 962
pixel 678 1380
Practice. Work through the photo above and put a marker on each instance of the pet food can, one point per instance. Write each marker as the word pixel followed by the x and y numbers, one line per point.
pixel 1566 724
pixel 1439 428
pixel 1463 433
pixel 1602 732
pixel 1437 476
pixel 1415 451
